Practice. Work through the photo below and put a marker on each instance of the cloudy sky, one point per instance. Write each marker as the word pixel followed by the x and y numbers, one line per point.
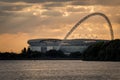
pixel 21 20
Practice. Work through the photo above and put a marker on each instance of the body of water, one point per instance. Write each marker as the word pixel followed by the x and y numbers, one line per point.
pixel 58 70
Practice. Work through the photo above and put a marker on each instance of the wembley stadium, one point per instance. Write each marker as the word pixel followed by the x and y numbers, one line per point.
pixel 68 46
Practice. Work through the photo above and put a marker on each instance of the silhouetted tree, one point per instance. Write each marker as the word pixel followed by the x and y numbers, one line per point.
pixel 28 51
pixel 24 51
pixel 106 51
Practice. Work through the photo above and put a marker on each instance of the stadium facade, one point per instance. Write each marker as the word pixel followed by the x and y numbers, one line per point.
pixel 68 46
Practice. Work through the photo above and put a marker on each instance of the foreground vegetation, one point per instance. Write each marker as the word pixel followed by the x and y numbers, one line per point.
pixel 34 55
pixel 101 51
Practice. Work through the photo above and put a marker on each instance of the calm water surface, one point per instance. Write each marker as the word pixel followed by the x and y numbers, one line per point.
pixel 59 70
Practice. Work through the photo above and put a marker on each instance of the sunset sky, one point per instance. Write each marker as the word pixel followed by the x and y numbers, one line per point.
pixel 21 20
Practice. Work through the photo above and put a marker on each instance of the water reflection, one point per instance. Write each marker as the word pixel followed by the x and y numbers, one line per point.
pixel 59 70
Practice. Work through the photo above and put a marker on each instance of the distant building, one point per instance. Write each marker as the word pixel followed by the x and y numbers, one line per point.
pixel 68 46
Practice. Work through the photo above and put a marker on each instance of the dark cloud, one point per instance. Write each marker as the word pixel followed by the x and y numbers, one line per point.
pixel 12 7
pixel 3 13
pixel 35 1
pixel 13 21
pixel 54 4
pixel 97 2
pixel 52 13
pixel 19 24
pixel 73 2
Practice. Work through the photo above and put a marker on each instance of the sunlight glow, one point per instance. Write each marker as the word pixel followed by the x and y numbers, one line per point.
pixel 65 14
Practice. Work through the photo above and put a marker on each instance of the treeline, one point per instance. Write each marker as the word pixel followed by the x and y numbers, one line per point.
pixel 103 51
pixel 27 54
pixel 100 51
